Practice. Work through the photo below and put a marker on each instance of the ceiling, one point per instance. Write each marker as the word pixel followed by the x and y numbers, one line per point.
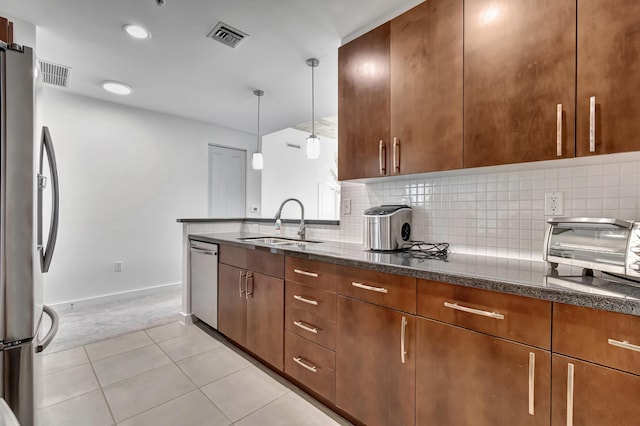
pixel 181 72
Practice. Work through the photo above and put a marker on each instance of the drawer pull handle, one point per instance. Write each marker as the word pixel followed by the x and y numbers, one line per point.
pixel 532 374
pixel 370 288
pixel 305 300
pixel 305 327
pixel 624 345
pixel 457 307
pixel 403 329
pixel 570 373
pixel 299 360
pixel 305 273
pixel 382 159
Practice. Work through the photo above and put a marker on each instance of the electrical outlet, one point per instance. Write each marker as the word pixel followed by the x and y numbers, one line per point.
pixel 119 266
pixel 346 206
pixel 255 209
pixel 553 204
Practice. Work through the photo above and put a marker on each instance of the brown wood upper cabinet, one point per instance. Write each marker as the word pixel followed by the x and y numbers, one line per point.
pixel 400 95
pixel 608 99
pixel 519 80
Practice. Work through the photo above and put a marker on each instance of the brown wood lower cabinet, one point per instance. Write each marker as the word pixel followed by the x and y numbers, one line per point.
pixel 310 364
pixel 597 395
pixel 265 318
pixel 232 304
pixel 469 378
pixel 374 383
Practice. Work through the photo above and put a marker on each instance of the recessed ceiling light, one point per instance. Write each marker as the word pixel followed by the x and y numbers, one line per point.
pixel 136 31
pixel 117 88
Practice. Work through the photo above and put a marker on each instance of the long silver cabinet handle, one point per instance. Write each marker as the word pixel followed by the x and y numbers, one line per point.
pixel 240 290
pixel 624 345
pixel 370 288
pixel 382 159
pixel 403 329
pixel 305 273
pixel 570 376
pixel 305 327
pixel 396 157
pixel 559 130
pixel 246 285
pixel 305 300
pixel 592 124
pixel 298 360
pixel 457 307
pixel 532 376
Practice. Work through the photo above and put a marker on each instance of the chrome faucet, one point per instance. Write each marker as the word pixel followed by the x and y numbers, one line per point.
pixel 301 230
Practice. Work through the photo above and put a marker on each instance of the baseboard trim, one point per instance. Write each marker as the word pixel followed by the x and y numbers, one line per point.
pixel 92 301
pixel 186 319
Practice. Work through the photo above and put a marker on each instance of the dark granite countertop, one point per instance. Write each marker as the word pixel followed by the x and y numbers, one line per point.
pixel 513 276
pixel 255 220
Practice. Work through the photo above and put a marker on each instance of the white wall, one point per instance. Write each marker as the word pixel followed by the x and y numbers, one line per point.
pixel 289 173
pixel 126 175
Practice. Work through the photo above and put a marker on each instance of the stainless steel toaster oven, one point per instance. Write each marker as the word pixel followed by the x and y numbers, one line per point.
pixel 603 244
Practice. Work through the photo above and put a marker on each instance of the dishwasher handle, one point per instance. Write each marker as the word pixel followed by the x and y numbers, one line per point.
pixel 204 251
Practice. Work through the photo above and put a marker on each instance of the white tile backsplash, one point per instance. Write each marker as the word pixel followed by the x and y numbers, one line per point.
pixel 499 211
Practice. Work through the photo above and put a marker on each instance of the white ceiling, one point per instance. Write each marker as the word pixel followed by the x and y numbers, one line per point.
pixel 181 72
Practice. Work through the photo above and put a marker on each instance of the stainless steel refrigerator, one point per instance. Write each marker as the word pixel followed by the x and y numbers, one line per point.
pixel 24 255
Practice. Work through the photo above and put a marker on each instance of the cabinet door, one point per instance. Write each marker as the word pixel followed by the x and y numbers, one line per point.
pixel 265 318
pixel 232 306
pixel 595 396
pixel 373 381
pixel 608 69
pixel 470 378
pixel 363 106
pixel 519 64
pixel 426 88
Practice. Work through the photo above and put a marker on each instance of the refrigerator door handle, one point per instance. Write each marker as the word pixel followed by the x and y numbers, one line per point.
pixel 47 251
pixel 55 321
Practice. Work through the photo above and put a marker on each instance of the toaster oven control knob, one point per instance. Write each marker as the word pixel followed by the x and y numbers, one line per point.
pixel 406 232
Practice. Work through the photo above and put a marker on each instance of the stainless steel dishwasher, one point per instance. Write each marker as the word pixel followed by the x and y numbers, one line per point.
pixel 204 281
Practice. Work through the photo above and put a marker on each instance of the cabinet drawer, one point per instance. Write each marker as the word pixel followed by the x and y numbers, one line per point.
pixel 310 364
pixel 311 273
pixel 606 338
pixel 267 263
pixel 512 317
pixel 394 291
pixel 234 256
pixel 315 301
pixel 309 326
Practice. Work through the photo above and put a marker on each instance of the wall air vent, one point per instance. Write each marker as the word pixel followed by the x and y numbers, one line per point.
pixel 292 145
pixel 227 35
pixel 54 74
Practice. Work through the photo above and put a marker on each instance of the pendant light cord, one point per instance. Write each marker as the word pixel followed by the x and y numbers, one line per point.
pixel 258 131
pixel 313 103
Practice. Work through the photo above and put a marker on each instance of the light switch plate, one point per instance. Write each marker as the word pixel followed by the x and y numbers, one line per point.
pixel 346 206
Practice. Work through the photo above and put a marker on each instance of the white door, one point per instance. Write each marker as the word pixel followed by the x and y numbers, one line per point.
pixel 227 174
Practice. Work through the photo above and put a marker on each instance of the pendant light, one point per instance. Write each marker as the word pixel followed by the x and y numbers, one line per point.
pixel 256 160
pixel 313 143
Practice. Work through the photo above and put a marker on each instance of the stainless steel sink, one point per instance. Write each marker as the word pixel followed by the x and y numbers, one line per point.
pixel 278 241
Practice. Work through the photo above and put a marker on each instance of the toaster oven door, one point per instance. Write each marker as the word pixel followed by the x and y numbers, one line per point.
pixel 601 246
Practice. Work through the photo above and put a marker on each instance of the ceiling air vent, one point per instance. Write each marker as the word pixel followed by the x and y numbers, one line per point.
pixel 227 35
pixel 54 74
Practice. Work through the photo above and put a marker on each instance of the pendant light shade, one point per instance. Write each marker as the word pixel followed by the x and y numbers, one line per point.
pixel 256 160
pixel 313 143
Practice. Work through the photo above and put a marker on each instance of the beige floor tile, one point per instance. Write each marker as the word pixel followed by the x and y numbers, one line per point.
pixel 169 331
pixel 288 410
pixel 192 409
pixel 188 345
pixel 88 409
pixel 212 365
pixel 66 384
pixel 52 363
pixel 243 392
pixel 129 364
pixel 117 345
pixel 137 394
